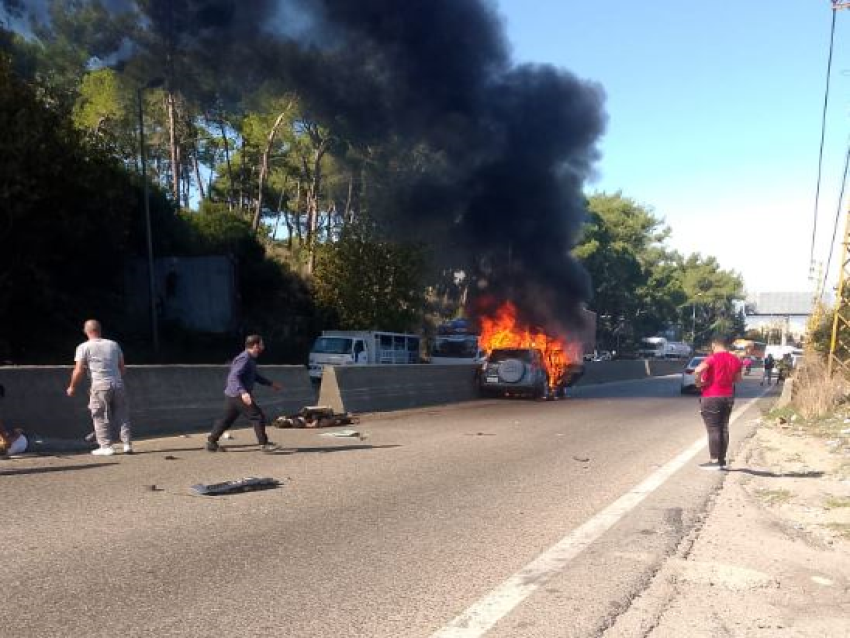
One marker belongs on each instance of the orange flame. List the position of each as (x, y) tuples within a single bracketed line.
[(504, 330)]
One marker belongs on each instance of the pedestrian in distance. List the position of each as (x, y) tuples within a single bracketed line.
[(239, 398), (748, 364), (783, 368), (717, 375), (103, 361), (769, 364)]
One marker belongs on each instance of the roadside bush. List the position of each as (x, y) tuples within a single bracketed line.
[(816, 392)]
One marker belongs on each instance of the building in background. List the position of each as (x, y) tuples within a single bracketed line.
[(782, 313)]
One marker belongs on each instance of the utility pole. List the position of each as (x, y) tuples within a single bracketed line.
[(839, 343)]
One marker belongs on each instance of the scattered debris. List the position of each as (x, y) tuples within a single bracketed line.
[(227, 435), (581, 459), (480, 434), (247, 484), (346, 434), (154, 488), (315, 416), (168, 457)]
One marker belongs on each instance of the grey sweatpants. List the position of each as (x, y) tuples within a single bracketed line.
[(110, 411)]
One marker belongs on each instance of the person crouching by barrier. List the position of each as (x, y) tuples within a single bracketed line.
[(13, 441)]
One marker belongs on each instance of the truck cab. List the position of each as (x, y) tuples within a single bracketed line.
[(343, 347)]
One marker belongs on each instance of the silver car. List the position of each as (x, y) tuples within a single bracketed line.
[(689, 382)]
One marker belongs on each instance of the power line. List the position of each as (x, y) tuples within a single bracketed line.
[(838, 210), (835, 7)]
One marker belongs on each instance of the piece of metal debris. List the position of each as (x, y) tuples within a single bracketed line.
[(247, 484), (345, 434)]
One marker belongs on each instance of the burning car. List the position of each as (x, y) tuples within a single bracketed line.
[(523, 360), (524, 371)]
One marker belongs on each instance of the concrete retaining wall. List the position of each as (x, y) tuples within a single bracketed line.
[(364, 388), (163, 399)]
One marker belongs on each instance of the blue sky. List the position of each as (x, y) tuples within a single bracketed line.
[(714, 115)]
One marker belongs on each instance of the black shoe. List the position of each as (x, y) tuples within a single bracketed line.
[(711, 465), (212, 446)]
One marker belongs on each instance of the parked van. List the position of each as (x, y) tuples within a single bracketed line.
[(345, 347)]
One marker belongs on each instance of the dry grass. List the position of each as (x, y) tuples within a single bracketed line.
[(835, 502), (841, 529), (816, 393), (773, 497)]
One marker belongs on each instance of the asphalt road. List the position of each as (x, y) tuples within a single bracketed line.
[(391, 536)]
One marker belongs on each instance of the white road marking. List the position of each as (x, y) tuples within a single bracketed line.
[(478, 619)]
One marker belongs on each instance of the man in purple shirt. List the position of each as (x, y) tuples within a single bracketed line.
[(238, 397)]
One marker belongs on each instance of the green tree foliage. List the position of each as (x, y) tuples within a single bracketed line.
[(69, 216), (711, 292), (641, 287), (105, 109), (370, 284), (634, 278)]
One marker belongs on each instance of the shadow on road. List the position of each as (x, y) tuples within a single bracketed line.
[(324, 450), (768, 474), (44, 470)]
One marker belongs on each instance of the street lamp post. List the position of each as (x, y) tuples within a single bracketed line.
[(147, 206), (694, 320), (694, 324)]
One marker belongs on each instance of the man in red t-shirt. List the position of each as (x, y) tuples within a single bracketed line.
[(717, 375)]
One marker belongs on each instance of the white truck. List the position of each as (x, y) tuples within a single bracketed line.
[(346, 347), (661, 348), (454, 344)]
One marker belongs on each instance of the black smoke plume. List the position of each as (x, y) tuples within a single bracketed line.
[(515, 143)]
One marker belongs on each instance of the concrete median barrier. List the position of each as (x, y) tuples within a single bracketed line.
[(364, 388), (163, 399), (625, 370)]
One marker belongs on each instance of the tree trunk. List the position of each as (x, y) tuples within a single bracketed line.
[(171, 108), (297, 213), (349, 197), (197, 167), (264, 168), (226, 144)]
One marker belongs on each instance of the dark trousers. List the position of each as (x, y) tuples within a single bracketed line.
[(715, 413), (233, 407)]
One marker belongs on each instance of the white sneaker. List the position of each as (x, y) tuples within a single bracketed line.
[(128, 448), (103, 451)]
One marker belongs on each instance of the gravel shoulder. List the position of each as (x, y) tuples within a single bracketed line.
[(772, 557)]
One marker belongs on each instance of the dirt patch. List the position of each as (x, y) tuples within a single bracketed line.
[(773, 556)]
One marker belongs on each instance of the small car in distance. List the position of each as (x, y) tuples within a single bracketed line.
[(689, 384)]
